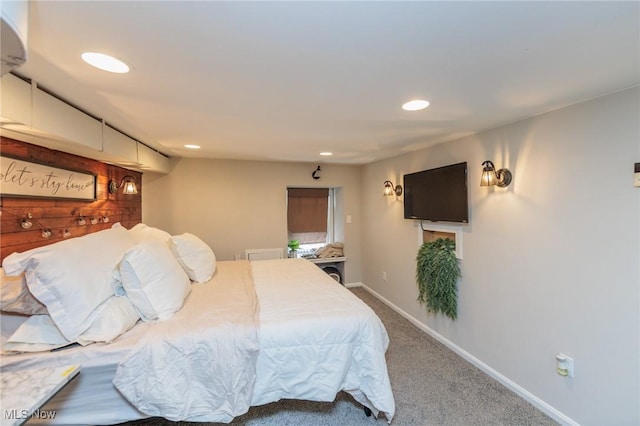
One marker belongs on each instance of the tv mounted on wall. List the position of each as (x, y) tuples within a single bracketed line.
[(438, 194)]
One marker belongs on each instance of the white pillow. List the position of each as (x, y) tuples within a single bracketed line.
[(38, 329), (154, 280), (115, 316), (39, 333), (142, 233), (195, 256), (73, 277), (16, 297), (12, 348)]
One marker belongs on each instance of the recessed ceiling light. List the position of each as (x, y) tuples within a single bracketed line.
[(326, 154), (415, 105), (105, 62), (191, 146)]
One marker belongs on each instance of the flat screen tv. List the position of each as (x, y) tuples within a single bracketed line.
[(437, 194)]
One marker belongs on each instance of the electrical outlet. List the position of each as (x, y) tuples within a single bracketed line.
[(384, 276), (564, 365)]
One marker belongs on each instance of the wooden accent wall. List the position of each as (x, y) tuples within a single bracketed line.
[(58, 214)]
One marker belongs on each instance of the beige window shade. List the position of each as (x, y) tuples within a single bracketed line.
[(307, 210)]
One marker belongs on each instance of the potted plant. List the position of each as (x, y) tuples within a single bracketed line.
[(437, 274), (293, 245)]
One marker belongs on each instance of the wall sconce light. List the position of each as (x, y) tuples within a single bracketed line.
[(389, 189), (128, 184), (491, 177)]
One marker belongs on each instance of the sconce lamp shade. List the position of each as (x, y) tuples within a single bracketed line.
[(491, 177), (128, 184), (130, 188), (389, 189)]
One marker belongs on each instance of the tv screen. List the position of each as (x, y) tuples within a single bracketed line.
[(437, 194)]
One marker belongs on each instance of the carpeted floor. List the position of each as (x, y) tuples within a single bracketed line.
[(431, 385)]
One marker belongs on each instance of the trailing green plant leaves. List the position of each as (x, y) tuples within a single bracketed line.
[(437, 273)]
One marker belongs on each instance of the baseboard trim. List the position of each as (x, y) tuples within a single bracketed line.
[(352, 285), (526, 395)]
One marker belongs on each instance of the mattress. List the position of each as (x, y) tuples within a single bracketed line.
[(315, 338)]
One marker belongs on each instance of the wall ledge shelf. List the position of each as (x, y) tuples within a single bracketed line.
[(326, 259), (430, 231)]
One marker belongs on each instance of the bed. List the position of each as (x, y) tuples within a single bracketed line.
[(253, 333)]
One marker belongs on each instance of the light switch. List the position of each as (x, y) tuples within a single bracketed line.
[(348, 218)]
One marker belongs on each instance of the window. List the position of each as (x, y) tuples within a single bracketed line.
[(310, 215)]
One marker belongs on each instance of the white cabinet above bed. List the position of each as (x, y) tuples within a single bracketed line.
[(54, 116), (119, 145), (34, 115), (15, 105)]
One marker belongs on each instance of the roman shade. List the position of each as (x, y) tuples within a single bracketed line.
[(307, 211)]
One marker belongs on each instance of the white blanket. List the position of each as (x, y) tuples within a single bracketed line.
[(199, 365), (211, 361), (317, 338)]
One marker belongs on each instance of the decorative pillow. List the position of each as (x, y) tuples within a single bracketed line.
[(114, 317), (73, 277), (195, 256), (142, 233), (154, 280), (16, 297)]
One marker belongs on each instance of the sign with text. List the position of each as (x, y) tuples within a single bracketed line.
[(19, 178)]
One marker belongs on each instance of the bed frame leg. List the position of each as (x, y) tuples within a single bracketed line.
[(367, 411)]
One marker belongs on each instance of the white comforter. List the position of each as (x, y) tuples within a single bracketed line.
[(309, 339), (200, 365), (317, 338)]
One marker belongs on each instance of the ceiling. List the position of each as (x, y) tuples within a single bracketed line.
[(287, 80)]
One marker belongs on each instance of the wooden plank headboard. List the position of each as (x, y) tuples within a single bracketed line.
[(59, 215)]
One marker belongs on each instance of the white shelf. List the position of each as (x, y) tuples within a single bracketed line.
[(453, 230), (335, 262), (327, 259)]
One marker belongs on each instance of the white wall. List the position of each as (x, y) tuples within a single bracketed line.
[(550, 263), (238, 205)]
